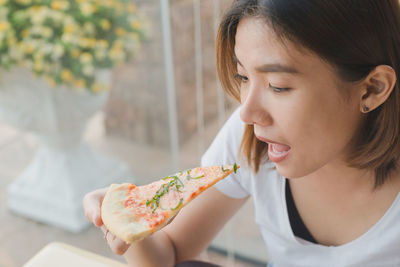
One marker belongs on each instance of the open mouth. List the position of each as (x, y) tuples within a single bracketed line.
[(277, 152)]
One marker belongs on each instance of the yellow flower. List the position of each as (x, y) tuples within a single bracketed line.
[(118, 44), (80, 83), (96, 88), (20, 46), (92, 42), (136, 24), (67, 75), (120, 31), (131, 8), (36, 9), (70, 38), (86, 58), (75, 53), (47, 32), (50, 81), (39, 55), (88, 70), (117, 55), (89, 28), (88, 42), (29, 48), (110, 3), (87, 8), (100, 54), (38, 65), (102, 44), (60, 5), (105, 24), (69, 28), (24, 2), (57, 16), (4, 26), (11, 41), (25, 33), (58, 51)]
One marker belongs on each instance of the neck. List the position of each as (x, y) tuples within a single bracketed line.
[(339, 179)]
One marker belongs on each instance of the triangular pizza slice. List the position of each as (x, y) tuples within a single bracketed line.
[(133, 212)]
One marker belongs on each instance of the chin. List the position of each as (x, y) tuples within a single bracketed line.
[(291, 172)]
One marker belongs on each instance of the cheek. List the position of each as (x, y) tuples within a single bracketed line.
[(243, 95), (323, 132)]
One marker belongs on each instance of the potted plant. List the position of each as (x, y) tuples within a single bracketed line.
[(56, 58)]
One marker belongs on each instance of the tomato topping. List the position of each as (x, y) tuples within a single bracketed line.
[(130, 188), (161, 219), (129, 202)]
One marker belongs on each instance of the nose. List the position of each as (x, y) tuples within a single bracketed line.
[(254, 109)]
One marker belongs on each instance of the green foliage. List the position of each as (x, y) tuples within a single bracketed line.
[(65, 41)]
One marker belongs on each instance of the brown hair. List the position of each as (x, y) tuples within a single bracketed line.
[(354, 37)]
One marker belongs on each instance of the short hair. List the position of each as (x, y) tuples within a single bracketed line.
[(354, 36)]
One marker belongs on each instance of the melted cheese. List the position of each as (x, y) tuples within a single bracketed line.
[(194, 182)]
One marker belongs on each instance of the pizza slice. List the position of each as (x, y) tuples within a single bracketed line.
[(133, 212)]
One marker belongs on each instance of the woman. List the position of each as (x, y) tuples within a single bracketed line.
[(318, 129)]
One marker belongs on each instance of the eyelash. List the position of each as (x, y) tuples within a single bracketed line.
[(278, 89), (240, 77), (244, 79)]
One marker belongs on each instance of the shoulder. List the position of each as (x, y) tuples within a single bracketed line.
[(232, 130), (225, 146)]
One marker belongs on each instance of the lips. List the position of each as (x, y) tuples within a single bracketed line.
[(276, 151)]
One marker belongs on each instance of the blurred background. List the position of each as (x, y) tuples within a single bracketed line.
[(97, 92)]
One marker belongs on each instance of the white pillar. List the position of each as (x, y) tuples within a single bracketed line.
[(199, 75), (170, 82)]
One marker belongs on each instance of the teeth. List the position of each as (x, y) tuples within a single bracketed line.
[(277, 152)]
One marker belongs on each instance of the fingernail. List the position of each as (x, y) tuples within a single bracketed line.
[(95, 220)]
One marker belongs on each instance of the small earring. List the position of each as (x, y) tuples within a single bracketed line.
[(365, 109)]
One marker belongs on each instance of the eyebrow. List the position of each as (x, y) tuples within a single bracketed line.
[(271, 67)]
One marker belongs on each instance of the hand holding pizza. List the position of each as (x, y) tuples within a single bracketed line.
[(132, 213), (92, 205)]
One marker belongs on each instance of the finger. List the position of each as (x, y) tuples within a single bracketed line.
[(97, 219), (92, 204), (117, 245)]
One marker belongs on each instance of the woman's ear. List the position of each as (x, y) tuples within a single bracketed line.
[(377, 87)]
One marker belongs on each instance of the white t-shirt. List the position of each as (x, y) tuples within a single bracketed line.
[(379, 246)]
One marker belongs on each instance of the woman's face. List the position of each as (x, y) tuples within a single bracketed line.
[(295, 100)]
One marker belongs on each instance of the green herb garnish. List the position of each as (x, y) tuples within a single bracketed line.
[(175, 183), (188, 177), (179, 204), (234, 167)]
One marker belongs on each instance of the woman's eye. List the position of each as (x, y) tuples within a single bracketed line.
[(278, 89), (241, 78)]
